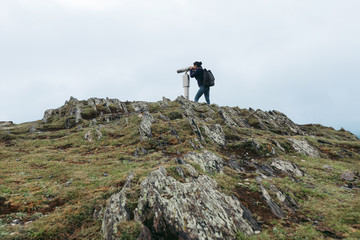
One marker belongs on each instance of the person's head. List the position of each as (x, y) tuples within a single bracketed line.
[(197, 64)]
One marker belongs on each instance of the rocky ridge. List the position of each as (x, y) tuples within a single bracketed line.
[(185, 195)]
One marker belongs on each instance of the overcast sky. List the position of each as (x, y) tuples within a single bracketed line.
[(298, 57)]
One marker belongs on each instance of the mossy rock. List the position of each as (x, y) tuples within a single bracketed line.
[(70, 123), (114, 108), (54, 117), (102, 108), (175, 115), (62, 123), (154, 108), (286, 145), (129, 107), (88, 113), (253, 121), (250, 149)]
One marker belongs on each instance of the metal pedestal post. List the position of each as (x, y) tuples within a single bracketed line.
[(186, 85)]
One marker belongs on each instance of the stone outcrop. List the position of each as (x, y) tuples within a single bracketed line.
[(75, 110), (269, 201), (207, 160), (191, 210), (347, 176), (195, 143), (228, 120), (145, 126), (195, 127), (164, 103), (89, 135), (6, 123), (201, 171), (274, 168), (47, 115), (140, 107), (215, 133), (77, 113), (117, 211), (284, 202), (287, 167), (170, 209), (303, 147), (71, 109), (275, 121), (287, 202), (105, 105)]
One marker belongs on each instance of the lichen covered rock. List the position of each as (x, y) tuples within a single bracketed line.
[(215, 133), (228, 120), (302, 146), (274, 121), (287, 167), (190, 210), (140, 106), (117, 211), (145, 126), (207, 160), (347, 176)]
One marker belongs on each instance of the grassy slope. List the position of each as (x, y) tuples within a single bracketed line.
[(56, 182)]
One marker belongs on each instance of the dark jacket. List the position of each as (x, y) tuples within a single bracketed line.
[(198, 74)]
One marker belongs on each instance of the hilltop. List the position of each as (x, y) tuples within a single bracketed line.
[(106, 169)]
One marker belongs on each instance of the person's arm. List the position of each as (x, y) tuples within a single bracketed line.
[(193, 72)]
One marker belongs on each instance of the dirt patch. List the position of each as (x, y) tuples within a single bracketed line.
[(6, 143), (120, 184), (337, 154), (6, 208), (261, 211), (115, 135), (247, 166), (52, 205), (329, 232), (350, 148), (63, 147), (256, 204)]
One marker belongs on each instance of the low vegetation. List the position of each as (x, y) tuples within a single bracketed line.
[(54, 183)]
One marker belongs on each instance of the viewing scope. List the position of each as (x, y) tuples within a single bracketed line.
[(186, 81), (183, 70)]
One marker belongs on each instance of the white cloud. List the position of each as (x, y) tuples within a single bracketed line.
[(300, 57)]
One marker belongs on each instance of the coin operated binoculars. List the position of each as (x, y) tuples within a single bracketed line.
[(186, 81)]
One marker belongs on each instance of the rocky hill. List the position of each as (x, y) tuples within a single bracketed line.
[(106, 169)]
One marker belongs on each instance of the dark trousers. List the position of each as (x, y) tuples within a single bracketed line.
[(203, 90)]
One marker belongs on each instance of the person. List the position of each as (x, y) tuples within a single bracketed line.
[(197, 72)]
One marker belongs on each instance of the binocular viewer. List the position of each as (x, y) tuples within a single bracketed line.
[(186, 81), (181, 70)]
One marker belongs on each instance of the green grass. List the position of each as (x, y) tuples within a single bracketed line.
[(55, 179)]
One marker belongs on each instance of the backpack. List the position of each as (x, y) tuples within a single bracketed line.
[(209, 79)]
